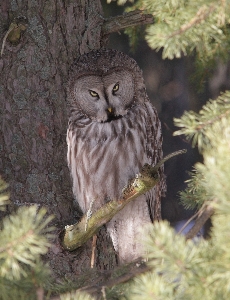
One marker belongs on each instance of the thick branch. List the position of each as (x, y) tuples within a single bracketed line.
[(132, 18), (76, 235)]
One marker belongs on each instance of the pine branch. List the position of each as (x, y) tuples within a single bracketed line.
[(195, 194), (198, 127), (76, 235), (200, 16), (23, 241)]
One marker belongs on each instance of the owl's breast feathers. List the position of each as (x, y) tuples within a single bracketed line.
[(103, 157)]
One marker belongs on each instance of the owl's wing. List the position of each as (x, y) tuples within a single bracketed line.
[(154, 153)]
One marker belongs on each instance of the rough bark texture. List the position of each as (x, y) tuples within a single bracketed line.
[(33, 108), (32, 91)]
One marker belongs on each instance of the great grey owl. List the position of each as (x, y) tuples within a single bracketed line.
[(113, 131)]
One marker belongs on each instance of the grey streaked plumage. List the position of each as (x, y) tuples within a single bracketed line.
[(106, 149)]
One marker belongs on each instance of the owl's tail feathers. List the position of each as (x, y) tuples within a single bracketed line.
[(125, 230)]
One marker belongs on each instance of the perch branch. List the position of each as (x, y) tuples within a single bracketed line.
[(77, 234), (132, 18)]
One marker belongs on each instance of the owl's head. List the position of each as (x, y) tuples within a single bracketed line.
[(105, 84)]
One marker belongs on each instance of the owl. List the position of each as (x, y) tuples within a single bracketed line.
[(113, 131)]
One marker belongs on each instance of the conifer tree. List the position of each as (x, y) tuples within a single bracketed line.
[(181, 268)]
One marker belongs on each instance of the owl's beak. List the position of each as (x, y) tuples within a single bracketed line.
[(110, 109)]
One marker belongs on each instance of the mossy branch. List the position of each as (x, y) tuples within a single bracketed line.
[(130, 19), (76, 235)]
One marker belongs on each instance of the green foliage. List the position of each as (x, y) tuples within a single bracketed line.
[(181, 27), (4, 196), (135, 34), (185, 27), (210, 131), (76, 296), (184, 269), (203, 128), (195, 193), (24, 238)]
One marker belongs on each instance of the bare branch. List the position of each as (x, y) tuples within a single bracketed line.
[(132, 18), (200, 221)]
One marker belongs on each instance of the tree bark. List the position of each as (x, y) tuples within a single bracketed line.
[(32, 93)]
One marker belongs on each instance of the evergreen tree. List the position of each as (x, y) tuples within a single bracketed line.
[(181, 268)]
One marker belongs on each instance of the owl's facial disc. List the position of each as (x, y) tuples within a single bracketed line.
[(105, 98)]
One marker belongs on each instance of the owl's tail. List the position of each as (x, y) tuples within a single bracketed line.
[(126, 230)]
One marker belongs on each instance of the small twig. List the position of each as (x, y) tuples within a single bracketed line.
[(132, 18), (40, 293), (200, 16), (157, 166), (94, 243), (103, 293), (188, 222)]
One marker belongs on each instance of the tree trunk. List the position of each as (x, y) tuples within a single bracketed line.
[(33, 100), (33, 109)]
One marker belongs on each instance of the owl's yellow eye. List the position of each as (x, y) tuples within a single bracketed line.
[(116, 87), (92, 93)]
